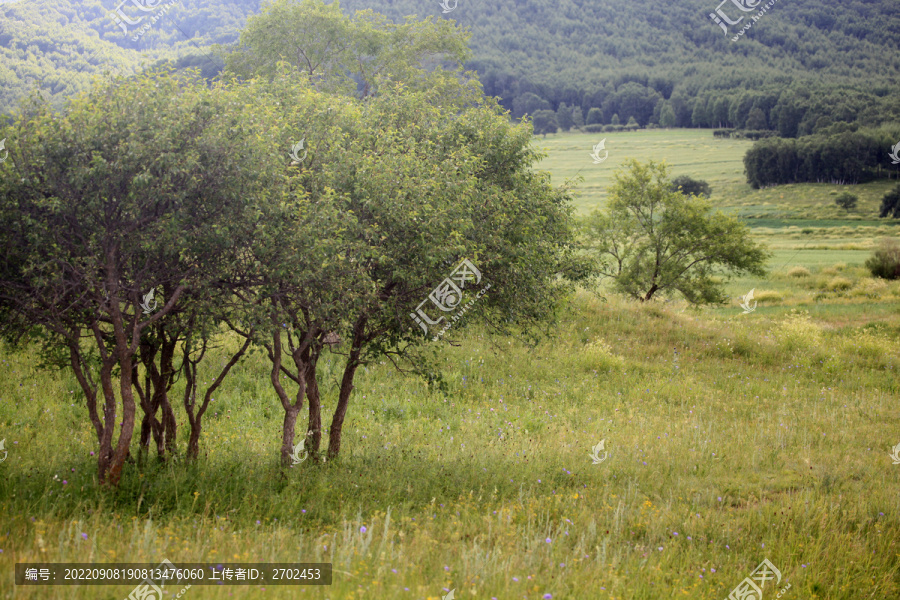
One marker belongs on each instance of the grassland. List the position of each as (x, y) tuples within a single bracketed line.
[(732, 438)]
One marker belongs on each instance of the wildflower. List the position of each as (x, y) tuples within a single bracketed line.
[(548, 596), (84, 536), (548, 540)]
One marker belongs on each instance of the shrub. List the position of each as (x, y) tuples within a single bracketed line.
[(890, 204), (885, 262), (847, 201), (689, 185), (839, 284), (768, 296), (798, 272)]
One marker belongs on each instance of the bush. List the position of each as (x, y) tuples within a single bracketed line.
[(594, 116), (595, 128), (688, 185), (839, 284), (890, 204), (798, 272), (768, 296), (847, 201), (885, 262), (723, 133)]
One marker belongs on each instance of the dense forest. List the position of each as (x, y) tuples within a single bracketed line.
[(802, 69)]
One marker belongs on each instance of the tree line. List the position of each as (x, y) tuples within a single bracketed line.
[(844, 158)]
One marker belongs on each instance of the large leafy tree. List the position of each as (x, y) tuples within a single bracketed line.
[(430, 172), (145, 184), (651, 239)]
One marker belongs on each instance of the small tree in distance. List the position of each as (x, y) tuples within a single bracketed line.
[(690, 186), (651, 239), (846, 200), (885, 262), (544, 122), (890, 204)]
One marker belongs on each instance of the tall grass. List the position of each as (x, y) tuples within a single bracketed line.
[(732, 438)]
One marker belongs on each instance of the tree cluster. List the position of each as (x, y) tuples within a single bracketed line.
[(158, 219), (841, 158)]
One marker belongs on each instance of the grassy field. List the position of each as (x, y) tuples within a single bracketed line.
[(731, 438)]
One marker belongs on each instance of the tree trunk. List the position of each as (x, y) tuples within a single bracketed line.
[(105, 454), (314, 428), (291, 409), (340, 412), (167, 377), (650, 293), (128, 411)]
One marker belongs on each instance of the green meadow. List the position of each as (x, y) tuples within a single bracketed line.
[(729, 438)]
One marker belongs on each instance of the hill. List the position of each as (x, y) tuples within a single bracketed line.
[(802, 66)]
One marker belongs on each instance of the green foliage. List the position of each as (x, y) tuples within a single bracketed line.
[(846, 200), (688, 185), (667, 116), (890, 204), (615, 120), (851, 157), (577, 117), (528, 104), (651, 239), (545, 122), (885, 261), (594, 116), (564, 117)]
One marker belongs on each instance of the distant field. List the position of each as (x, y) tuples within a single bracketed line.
[(719, 162)]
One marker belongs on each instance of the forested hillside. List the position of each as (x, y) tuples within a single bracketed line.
[(804, 66)]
